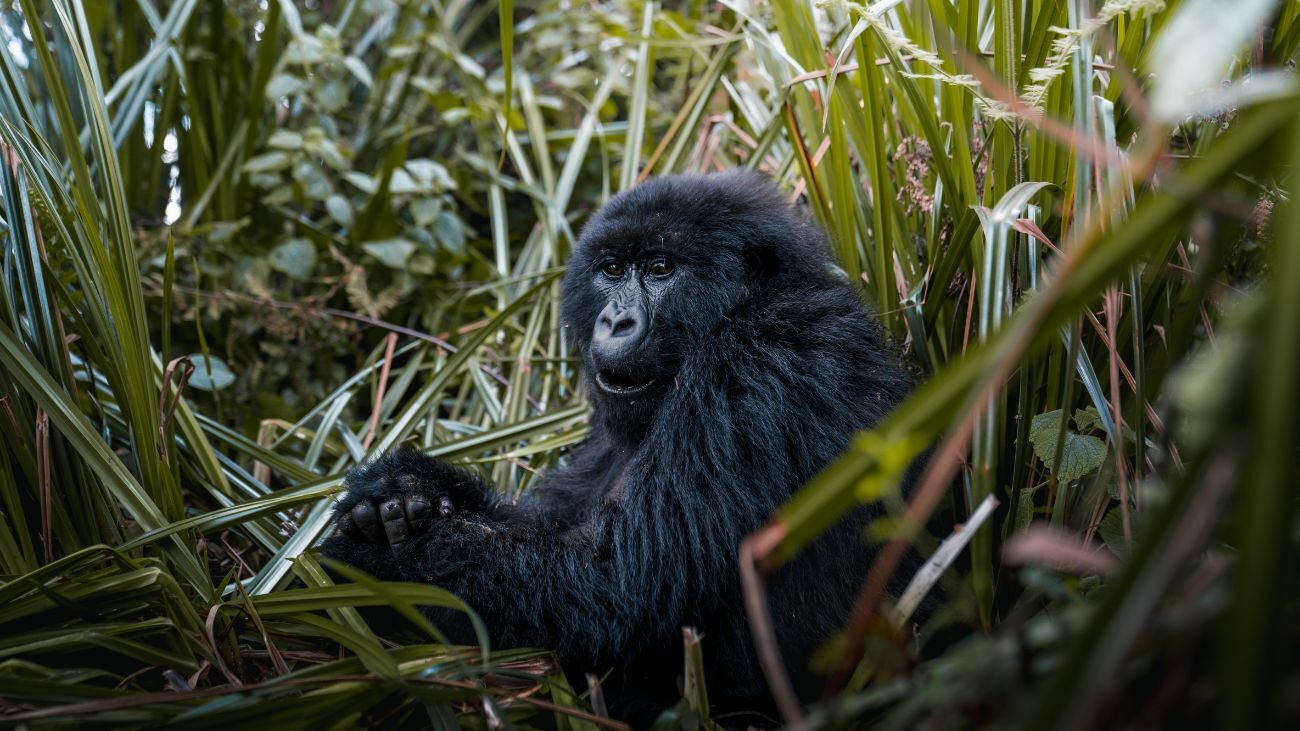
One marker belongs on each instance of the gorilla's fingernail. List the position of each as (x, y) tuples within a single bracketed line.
[(395, 527), (445, 507), (367, 520), (418, 512), (390, 509), (345, 525)]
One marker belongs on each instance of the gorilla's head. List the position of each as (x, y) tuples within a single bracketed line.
[(659, 267)]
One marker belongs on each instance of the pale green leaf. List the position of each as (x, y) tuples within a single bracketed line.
[(394, 253), (295, 257), (210, 373)]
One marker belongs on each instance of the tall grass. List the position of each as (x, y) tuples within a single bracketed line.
[(245, 245)]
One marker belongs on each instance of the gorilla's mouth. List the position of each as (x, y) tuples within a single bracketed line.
[(621, 383)]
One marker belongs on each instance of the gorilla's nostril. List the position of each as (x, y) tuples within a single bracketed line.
[(618, 323), (623, 326)]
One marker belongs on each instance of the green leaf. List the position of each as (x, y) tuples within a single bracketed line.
[(210, 373), (1082, 453), (340, 210), (430, 172), (358, 68), (1025, 508), (363, 182), (267, 163), (450, 232), (283, 85), (284, 139), (425, 210), (392, 252), (506, 26), (404, 184), (1111, 530), (422, 264), (295, 257), (331, 94), (311, 179), (330, 153), (1088, 419)]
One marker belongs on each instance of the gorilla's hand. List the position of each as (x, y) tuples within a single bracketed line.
[(393, 522), (401, 496)]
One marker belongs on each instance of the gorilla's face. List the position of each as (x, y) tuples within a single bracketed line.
[(623, 356), (637, 303), (657, 270)]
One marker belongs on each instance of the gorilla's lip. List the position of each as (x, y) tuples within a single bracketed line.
[(621, 384)]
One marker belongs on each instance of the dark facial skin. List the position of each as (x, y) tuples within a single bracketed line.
[(639, 307), (622, 365)]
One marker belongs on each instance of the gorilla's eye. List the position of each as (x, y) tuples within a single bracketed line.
[(613, 268), (660, 268)]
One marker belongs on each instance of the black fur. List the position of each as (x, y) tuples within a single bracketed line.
[(766, 362)]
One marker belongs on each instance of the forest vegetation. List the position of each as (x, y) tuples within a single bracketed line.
[(247, 244)]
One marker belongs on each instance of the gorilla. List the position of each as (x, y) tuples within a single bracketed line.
[(727, 361)]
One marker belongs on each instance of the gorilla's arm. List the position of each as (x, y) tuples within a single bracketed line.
[(653, 548), (593, 591)]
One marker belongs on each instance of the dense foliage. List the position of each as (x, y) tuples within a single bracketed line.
[(245, 244)]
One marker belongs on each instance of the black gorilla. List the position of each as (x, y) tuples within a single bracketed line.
[(727, 362)]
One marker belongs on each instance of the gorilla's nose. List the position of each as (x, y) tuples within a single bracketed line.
[(618, 329)]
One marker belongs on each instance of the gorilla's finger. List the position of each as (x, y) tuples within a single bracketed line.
[(366, 520), (419, 513), (445, 507), (395, 526), (347, 526)]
